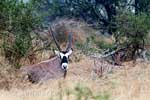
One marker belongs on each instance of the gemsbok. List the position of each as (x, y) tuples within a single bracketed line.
[(54, 67)]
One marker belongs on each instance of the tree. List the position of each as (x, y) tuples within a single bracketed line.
[(92, 11), (132, 31), (142, 6)]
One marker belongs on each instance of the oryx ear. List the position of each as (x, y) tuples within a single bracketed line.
[(70, 51), (56, 52)]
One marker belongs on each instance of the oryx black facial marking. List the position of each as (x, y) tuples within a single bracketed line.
[(64, 57), (64, 60)]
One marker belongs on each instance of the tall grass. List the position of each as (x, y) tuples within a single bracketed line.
[(80, 92)]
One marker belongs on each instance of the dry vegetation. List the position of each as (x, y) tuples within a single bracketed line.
[(131, 81)]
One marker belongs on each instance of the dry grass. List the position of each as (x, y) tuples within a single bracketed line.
[(131, 82)]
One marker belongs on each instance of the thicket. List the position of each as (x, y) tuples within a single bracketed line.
[(17, 20), (132, 32)]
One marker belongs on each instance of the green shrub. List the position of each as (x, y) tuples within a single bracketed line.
[(132, 28), (132, 31), (17, 22)]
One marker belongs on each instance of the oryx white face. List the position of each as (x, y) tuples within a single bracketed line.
[(64, 56)]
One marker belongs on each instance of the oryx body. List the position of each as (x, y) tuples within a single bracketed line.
[(52, 68)]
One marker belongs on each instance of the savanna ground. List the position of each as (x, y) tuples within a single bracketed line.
[(131, 81)]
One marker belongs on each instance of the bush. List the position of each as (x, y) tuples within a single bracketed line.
[(132, 31), (132, 27), (18, 21)]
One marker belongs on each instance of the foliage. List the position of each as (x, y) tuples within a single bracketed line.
[(142, 6), (103, 45), (132, 27), (87, 46), (99, 13), (132, 31), (94, 45), (17, 22), (19, 19), (80, 92)]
